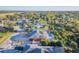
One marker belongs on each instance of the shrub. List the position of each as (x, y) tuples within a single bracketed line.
[(56, 43), (68, 50), (45, 42), (73, 44)]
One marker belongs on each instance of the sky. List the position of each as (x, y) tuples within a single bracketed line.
[(39, 8)]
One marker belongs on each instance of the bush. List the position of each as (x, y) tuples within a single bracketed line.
[(73, 45), (52, 43), (45, 42), (68, 50), (56, 43)]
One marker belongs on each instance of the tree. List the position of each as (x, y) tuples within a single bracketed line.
[(45, 42)]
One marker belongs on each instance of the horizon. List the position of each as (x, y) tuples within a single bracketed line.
[(39, 8)]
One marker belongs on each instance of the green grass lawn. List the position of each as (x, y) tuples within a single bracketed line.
[(4, 36)]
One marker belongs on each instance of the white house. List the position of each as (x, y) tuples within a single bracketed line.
[(20, 39)]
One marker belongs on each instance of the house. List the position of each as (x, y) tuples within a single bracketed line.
[(20, 22), (18, 29), (9, 29), (41, 34), (21, 26), (32, 38), (2, 29)]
